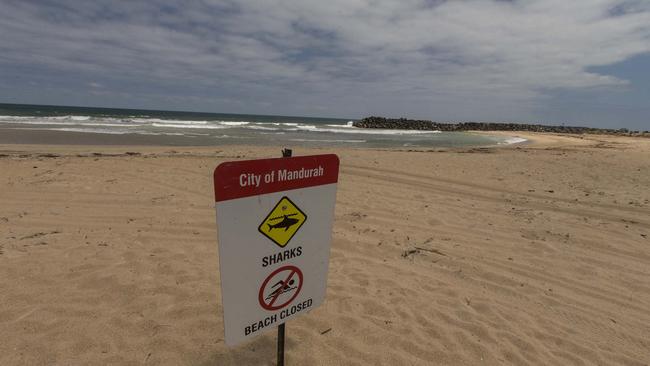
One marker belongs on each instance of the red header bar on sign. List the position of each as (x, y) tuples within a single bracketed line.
[(238, 179)]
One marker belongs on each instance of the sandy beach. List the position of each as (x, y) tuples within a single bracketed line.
[(533, 254)]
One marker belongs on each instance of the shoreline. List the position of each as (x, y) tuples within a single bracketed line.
[(17, 136), (533, 140)]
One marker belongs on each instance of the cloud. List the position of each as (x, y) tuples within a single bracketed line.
[(413, 57)]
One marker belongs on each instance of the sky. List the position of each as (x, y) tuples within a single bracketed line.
[(579, 62)]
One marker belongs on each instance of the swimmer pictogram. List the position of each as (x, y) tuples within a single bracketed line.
[(280, 288)]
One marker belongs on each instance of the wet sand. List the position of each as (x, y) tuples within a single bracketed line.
[(534, 254)]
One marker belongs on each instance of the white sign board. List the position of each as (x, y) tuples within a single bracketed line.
[(274, 222)]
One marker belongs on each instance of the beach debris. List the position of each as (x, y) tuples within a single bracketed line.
[(162, 198), (436, 251), (409, 252), (326, 331), (481, 150), (356, 216), (131, 153), (38, 235), (106, 155), (41, 243), (417, 250)]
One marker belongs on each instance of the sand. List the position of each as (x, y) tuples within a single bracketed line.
[(537, 254)]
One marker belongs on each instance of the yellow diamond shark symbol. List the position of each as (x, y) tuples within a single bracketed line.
[(283, 222)]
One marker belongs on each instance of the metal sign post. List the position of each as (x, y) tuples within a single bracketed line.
[(286, 153), (281, 344)]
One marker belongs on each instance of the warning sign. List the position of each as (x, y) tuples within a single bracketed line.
[(283, 222), (274, 224), (280, 288)]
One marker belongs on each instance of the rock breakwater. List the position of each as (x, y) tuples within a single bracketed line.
[(410, 124)]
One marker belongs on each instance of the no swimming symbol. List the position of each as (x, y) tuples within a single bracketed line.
[(280, 288)]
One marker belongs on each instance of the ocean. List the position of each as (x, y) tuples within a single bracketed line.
[(84, 125)]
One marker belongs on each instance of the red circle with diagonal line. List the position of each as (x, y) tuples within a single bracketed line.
[(284, 277)]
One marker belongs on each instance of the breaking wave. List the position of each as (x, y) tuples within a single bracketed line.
[(89, 124), (513, 140)]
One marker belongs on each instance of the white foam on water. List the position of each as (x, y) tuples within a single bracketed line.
[(231, 137), (513, 140), (262, 128), (104, 124), (153, 121), (113, 131), (304, 128), (364, 131), (158, 133), (15, 117), (188, 126), (69, 123), (90, 130), (73, 118), (233, 123), (347, 125), (316, 140)]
